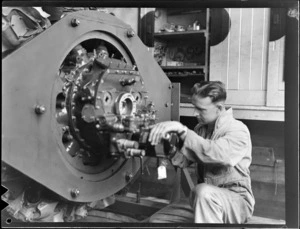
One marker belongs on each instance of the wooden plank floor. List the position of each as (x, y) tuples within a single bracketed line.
[(126, 210), (263, 220)]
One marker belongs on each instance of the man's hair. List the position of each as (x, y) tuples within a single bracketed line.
[(213, 89)]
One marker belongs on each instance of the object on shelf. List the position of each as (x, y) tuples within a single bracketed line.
[(169, 27), (179, 55), (196, 25), (190, 28), (184, 73), (174, 63), (160, 53), (179, 28), (191, 54)]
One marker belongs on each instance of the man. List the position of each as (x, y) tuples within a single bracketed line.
[(221, 147)]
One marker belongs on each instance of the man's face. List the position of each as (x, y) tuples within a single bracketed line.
[(205, 110)]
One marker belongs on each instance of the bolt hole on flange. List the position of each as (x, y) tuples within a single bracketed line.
[(8, 221)]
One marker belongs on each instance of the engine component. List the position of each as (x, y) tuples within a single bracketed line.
[(78, 103), (20, 24)]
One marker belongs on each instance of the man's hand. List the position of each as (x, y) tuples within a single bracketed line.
[(160, 131)]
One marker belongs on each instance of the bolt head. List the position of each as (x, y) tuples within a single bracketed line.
[(75, 192), (75, 22), (130, 33), (128, 177), (40, 109)]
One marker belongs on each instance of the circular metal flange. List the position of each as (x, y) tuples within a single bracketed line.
[(108, 167), (125, 104)]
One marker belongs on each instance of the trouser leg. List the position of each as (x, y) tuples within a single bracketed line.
[(212, 204)]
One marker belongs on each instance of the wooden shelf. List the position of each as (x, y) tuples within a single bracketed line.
[(197, 67), (180, 35), (185, 11), (185, 75), (191, 46)]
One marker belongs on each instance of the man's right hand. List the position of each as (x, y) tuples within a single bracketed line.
[(160, 131)]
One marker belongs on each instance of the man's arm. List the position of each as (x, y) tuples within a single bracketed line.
[(227, 150)]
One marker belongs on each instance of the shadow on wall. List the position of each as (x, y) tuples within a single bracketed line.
[(147, 29), (277, 23), (219, 25)]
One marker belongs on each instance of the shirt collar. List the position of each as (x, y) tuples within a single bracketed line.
[(223, 118)]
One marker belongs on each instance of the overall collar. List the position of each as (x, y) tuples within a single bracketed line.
[(223, 118)]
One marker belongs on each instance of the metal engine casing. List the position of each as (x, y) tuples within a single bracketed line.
[(35, 94)]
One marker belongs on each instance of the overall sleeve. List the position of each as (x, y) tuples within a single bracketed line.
[(227, 150)]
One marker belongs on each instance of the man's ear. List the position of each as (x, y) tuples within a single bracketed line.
[(220, 106)]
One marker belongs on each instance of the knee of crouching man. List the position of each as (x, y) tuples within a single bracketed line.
[(202, 191)]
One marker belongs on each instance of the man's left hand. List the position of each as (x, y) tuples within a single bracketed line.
[(160, 130)]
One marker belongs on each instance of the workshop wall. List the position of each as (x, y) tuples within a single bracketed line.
[(250, 60)]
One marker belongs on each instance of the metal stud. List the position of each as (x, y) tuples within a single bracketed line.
[(130, 33), (75, 22), (75, 192), (40, 109), (128, 176)]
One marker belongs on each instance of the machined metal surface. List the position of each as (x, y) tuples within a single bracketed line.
[(60, 125)]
